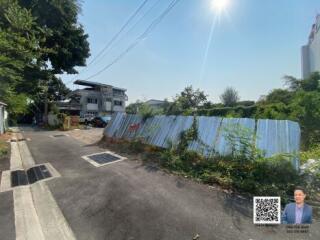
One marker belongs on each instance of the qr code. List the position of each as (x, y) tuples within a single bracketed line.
[(266, 210)]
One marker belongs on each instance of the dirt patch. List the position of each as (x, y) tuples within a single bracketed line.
[(87, 136)]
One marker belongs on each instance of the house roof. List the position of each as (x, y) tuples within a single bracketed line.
[(2, 103), (95, 84)]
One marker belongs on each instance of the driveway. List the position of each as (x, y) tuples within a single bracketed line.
[(129, 200)]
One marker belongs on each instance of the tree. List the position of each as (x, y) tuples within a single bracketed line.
[(133, 108), (38, 39), (312, 83), (188, 100), (65, 42), (279, 96), (306, 110), (229, 97), (64, 37), (19, 49)]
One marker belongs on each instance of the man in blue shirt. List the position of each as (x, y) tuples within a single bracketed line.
[(298, 212)]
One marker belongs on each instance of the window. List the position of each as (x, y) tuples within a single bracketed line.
[(118, 92), (92, 100), (117, 103), (92, 113)]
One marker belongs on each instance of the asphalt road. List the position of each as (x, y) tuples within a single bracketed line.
[(128, 200)]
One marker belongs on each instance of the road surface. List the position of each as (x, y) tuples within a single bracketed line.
[(131, 201)]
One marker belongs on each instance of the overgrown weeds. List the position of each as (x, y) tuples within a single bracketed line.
[(245, 170), (3, 148)]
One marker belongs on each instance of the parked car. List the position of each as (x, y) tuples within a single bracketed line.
[(86, 118), (100, 121)]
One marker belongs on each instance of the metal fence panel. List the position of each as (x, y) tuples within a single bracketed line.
[(278, 136), (208, 131), (271, 136)]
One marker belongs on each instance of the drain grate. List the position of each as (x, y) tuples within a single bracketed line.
[(59, 135), (104, 158), (38, 173), (19, 178), (30, 176), (18, 140)]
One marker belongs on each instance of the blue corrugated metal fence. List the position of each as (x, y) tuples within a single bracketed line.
[(271, 136)]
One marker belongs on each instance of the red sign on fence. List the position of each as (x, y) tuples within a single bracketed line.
[(134, 127)]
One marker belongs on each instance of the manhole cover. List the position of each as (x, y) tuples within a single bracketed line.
[(104, 158), (32, 175)]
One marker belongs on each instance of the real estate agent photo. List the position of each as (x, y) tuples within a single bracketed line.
[(298, 212)]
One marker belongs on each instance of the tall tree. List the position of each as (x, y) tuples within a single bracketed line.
[(64, 36), (19, 50), (229, 97)]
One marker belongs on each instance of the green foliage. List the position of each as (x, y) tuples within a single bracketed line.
[(4, 149), (54, 109), (187, 136), (312, 179), (188, 99), (229, 97), (133, 108), (242, 142), (274, 176), (37, 40), (306, 109), (238, 111), (279, 111), (18, 43), (279, 96), (146, 111), (136, 145), (312, 153), (63, 35), (311, 83)]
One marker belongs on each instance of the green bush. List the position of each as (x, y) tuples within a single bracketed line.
[(266, 176), (146, 111), (238, 111), (136, 145)]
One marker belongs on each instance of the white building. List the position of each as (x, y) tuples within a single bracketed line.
[(96, 99), (310, 53)]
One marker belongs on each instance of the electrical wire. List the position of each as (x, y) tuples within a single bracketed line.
[(133, 15), (119, 32), (143, 36), (133, 26)]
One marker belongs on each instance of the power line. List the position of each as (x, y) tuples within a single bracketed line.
[(140, 38), (115, 36), (139, 20), (120, 31)]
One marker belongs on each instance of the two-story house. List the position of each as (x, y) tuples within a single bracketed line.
[(95, 99)]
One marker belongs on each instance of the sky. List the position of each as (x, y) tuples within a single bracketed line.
[(253, 45)]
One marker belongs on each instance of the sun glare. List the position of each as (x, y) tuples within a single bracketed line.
[(219, 5)]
